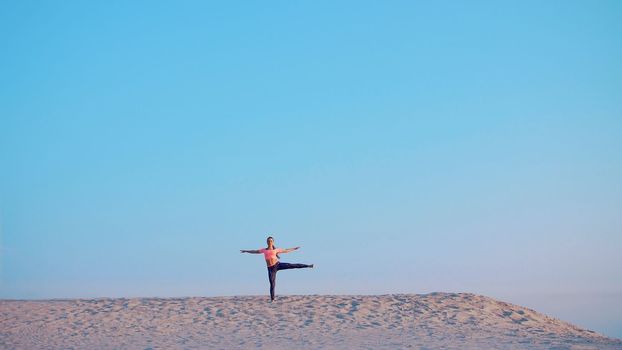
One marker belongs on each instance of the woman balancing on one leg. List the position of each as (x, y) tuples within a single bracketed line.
[(272, 260)]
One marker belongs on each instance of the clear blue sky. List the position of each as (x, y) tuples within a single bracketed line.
[(406, 146)]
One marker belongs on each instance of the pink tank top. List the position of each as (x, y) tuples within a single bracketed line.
[(270, 254)]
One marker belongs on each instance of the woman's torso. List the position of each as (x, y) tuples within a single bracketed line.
[(270, 255)]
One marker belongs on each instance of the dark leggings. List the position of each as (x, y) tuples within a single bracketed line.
[(277, 267)]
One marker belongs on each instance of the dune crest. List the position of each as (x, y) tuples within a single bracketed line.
[(436, 320)]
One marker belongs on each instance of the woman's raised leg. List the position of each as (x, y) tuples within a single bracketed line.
[(286, 266)]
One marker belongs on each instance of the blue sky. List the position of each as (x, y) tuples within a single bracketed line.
[(406, 146)]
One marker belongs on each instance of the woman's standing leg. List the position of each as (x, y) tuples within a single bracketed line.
[(272, 278)]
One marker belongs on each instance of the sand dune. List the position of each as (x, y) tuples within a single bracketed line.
[(431, 321)]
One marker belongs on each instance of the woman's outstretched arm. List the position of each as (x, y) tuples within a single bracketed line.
[(290, 250), (250, 251)]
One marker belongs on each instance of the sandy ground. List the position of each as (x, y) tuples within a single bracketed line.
[(430, 321)]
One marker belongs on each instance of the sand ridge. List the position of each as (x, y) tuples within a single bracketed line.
[(429, 321)]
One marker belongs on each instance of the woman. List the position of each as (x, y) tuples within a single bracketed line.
[(271, 254)]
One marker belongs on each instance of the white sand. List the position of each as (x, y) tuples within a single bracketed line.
[(431, 321)]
